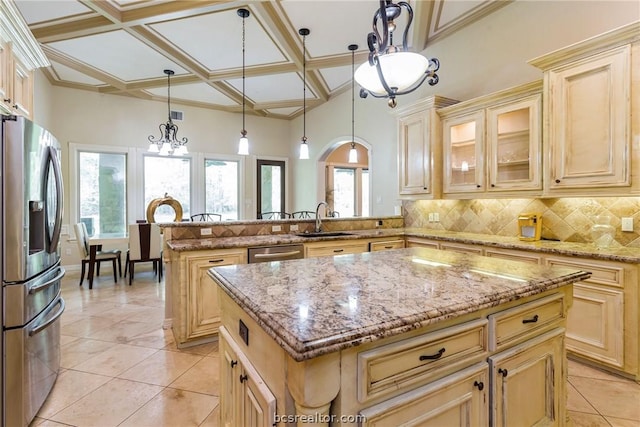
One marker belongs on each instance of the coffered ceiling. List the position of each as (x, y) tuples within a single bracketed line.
[(121, 47)]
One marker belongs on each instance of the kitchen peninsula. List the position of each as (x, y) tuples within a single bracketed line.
[(385, 338)]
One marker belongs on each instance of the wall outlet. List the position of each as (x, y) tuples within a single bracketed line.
[(436, 217), (205, 232), (67, 251), (276, 228), (379, 223), (627, 224), (293, 227), (64, 230), (430, 216)]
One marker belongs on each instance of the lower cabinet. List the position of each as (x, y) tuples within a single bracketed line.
[(245, 400), (459, 399), (196, 309), (386, 245), (335, 247), (527, 384)]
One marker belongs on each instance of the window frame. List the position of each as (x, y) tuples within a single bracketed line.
[(135, 207)]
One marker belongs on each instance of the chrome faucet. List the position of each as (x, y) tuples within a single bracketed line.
[(318, 220)]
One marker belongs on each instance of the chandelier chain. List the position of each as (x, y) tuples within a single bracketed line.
[(243, 74)]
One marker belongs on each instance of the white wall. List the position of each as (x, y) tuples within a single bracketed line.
[(485, 57)]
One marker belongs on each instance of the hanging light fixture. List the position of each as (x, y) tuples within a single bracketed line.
[(243, 145), (304, 147), (168, 143), (393, 70), (353, 152)]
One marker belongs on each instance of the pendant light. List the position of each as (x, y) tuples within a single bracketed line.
[(393, 70), (353, 152), (304, 147), (168, 142), (243, 145)]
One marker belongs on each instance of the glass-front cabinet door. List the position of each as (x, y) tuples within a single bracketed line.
[(464, 153), (513, 139)]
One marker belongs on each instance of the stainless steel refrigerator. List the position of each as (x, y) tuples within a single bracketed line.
[(31, 208)]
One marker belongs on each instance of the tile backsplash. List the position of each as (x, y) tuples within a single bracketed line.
[(565, 219)]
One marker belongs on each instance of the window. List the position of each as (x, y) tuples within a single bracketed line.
[(348, 190), (170, 176), (222, 187), (102, 192), (271, 188)]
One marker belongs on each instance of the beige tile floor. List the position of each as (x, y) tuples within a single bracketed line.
[(120, 368)]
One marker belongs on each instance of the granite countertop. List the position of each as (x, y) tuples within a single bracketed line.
[(316, 306), (586, 250)]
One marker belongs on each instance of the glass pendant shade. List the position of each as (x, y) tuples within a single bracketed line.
[(304, 151), (353, 154), (153, 148), (400, 69), (181, 151), (243, 146)]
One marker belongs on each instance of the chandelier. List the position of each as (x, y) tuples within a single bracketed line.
[(393, 70), (168, 142)]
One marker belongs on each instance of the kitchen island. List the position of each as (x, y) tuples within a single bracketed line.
[(393, 337)]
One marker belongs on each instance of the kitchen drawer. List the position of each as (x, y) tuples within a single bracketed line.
[(386, 245), (417, 360), (460, 247), (516, 324), (416, 242), (335, 248), (529, 257), (609, 274)]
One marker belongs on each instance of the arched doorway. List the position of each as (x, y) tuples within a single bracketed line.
[(346, 185)]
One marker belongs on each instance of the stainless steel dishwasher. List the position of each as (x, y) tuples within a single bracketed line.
[(275, 253)]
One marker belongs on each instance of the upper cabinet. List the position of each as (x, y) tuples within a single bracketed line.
[(419, 148), (20, 54), (589, 89), (492, 144)]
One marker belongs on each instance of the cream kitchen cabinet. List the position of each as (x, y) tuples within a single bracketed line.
[(196, 309), (20, 54), (527, 386), (385, 245), (513, 255), (419, 148), (589, 88), (335, 247), (245, 399), (461, 247), (492, 144), (603, 323), (413, 242)]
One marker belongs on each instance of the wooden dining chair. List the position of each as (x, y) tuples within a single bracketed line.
[(206, 217), (274, 215), (145, 245), (93, 255)]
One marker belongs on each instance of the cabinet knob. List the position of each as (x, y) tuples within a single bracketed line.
[(436, 356), (243, 378), (14, 106), (504, 372), (557, 181), (478, 384), (478, 185), (424, 188), (7, 100), (493, 185), (234, 363), (534, 319)]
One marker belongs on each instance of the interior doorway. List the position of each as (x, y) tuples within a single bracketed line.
[(347, 185)]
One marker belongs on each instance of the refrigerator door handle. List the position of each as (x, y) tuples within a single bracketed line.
[(48, 283), (55, 236), (55, 317)]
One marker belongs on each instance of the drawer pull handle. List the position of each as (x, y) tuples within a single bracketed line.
[(478, 384), (243, 378), (213, 261), (436, 356), (534, 319), (388, 247), (338, 250), (504, 372), (234, 363)]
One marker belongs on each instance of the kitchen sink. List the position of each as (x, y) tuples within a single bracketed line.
[(324, 234)]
